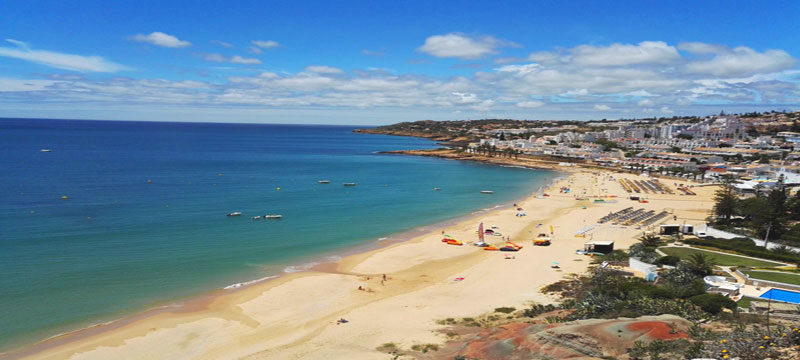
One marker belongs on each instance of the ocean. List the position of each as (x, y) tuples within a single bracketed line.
[(122, 216)]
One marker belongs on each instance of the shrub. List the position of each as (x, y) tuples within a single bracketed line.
[(668, 260), (616, 256), (424, 348), (505, 310), (537, 309), (713, 303)]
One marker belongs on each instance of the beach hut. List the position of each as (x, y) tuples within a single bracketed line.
[(598, 246)]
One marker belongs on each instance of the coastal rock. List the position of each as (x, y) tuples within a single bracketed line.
[(583, 339)]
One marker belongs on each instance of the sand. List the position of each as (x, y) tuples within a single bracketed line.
[(295, 316)]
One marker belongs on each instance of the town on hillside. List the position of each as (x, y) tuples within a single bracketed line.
[(755, 148)]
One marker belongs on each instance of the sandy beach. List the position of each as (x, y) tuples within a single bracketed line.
[(295, 316)]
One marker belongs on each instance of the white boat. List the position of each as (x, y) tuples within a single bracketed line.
[(487, 192), (256, 217), (273, 216), (349, 184), (235, 213), (324, 181), (436, 189), (46, 150)]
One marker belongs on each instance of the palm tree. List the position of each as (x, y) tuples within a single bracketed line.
[(650, 240), (700, 264)]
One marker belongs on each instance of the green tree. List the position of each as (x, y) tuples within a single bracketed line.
[(725, 200), (650, 240), (700, 264), (770, 223)]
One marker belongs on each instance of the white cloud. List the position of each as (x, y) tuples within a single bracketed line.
[(17, 85), (520, 69), (646, 52), (461, 46), (265, 44), (743, 61), (579, 92), (254, 50), (508, 90), (60, 60), (640, 93), (236, 59), (214, 57), (701, 48), (161, 39), (322, 69), (530, 104), (222, 43), (544, 57)]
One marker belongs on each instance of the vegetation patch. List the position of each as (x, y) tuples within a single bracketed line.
[(720, 259), (744, 246), (505, 310), (782, 277), (424, 348)]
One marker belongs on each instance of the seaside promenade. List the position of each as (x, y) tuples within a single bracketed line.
[(298, 315)]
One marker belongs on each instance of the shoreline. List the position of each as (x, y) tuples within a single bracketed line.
[(325, 262), (351, 269)]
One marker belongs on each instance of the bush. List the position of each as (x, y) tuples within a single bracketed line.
[(643, 253), (668, 260), (537, 309), (615, 256), (424, 348), (713, 303), (505, 310)]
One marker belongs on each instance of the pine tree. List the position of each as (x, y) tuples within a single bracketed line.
[(725, 200)]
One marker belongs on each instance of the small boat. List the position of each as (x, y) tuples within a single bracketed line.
[(323, 181), (46, 150), (491, 248), (436, 189), (349, 184), (487, 192), (235, 213), (256, 217), (273, 216)]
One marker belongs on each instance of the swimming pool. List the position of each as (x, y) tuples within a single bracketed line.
[(782, 295)]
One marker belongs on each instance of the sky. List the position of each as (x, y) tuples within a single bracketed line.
[(381, 62)]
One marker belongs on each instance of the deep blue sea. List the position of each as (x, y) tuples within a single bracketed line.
[(144, 221)]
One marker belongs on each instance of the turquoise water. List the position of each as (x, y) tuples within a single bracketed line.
[(782, 295), (145, 218)]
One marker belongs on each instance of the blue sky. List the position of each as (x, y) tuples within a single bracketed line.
[(375, 62)]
